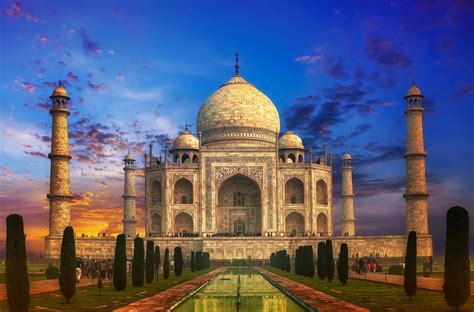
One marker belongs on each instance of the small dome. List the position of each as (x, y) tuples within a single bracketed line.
[(346, 156), (59, 91), (413, 91), (186, 140), (290, 141)]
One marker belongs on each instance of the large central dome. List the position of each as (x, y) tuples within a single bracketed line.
[(238, 111)]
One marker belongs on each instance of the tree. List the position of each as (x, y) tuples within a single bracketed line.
[(322, 267), (99, 284), (16, 271), (178, 261), (150, 261), (310, 261), (120, 263), (138, 262), (343, 264), (157, 260), (457, 286), (329, 260), (192, 262), (67, 270), (206, 260), (199, 266), (166, 264), (409, 282), (288, 263)]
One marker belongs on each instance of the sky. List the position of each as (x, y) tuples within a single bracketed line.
[(138, 71)]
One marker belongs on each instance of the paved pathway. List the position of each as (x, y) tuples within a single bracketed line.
[(316, 299), (46, 286), (422, 282), (167, 298)]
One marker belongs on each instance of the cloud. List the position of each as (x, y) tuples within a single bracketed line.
[(120, 77), (71, 77), (37, 154), (99, 87), (16, 10), (466, 89), (42, 38), (360, 129), (335, 69), (350, 93), (309, 59), (386, 53), (25, 85), (89, 47)]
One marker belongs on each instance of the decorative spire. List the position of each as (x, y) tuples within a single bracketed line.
[(186, 125), (60, 83), (237, 67), (413, 82)]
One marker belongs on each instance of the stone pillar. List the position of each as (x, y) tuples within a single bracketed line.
[(416, 196), (129, 198), (60, 191), (348, 219)]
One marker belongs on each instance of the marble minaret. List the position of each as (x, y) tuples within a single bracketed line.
[(60, 191), (415, 195), (129, 198), (348, 219)]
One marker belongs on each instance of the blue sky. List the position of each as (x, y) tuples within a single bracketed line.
[(137, 71)]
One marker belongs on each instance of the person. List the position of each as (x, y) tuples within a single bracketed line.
[(374, 266), (109, 269), (103, 270), (78, 272), (361, 265)]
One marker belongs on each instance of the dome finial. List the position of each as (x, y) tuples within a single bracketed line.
[(237, 67), (60, 83), (413, 82), (186, 125)]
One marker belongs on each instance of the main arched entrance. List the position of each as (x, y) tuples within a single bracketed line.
[(183, 223), (294, 224), (239, 206)]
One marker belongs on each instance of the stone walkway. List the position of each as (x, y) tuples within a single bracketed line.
[(422, 282), (167, 298), (46, 286), (316, 299)]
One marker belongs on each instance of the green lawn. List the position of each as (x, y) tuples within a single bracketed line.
[(36, 272), (376, 296), (89, 299)]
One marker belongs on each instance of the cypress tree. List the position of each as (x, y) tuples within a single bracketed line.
[(297, 256), (192, 262), (457, 287), (206, 260), (157, 260), (322, 261), (409, 282), (16, 271), (150, 261), (310, 256), (67, 273), (178, 261), (166, 264), (343, 264), (304, 261), (299, 260), (138, 262), (120, 263), (199, 261), (329, 260)]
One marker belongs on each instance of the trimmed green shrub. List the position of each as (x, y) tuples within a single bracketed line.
[(166, 264), (322, 260), (395, 269), (52, 272), (379, 268), (138, 262), (288, 263), (199, 266), (16, 271), (310, 261), (157, 260), (409, 281), (150, 261), (206, 260), (457, 285), (192, 262), (343, 264), (67, 273), (120, 263), (178, 261), (329, 260)]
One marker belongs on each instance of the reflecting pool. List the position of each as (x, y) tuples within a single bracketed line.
[(255, 294)]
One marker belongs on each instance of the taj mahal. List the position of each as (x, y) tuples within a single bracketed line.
[(238, 188)]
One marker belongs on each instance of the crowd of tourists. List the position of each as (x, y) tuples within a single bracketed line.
[(94, 269), (362, 266)]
